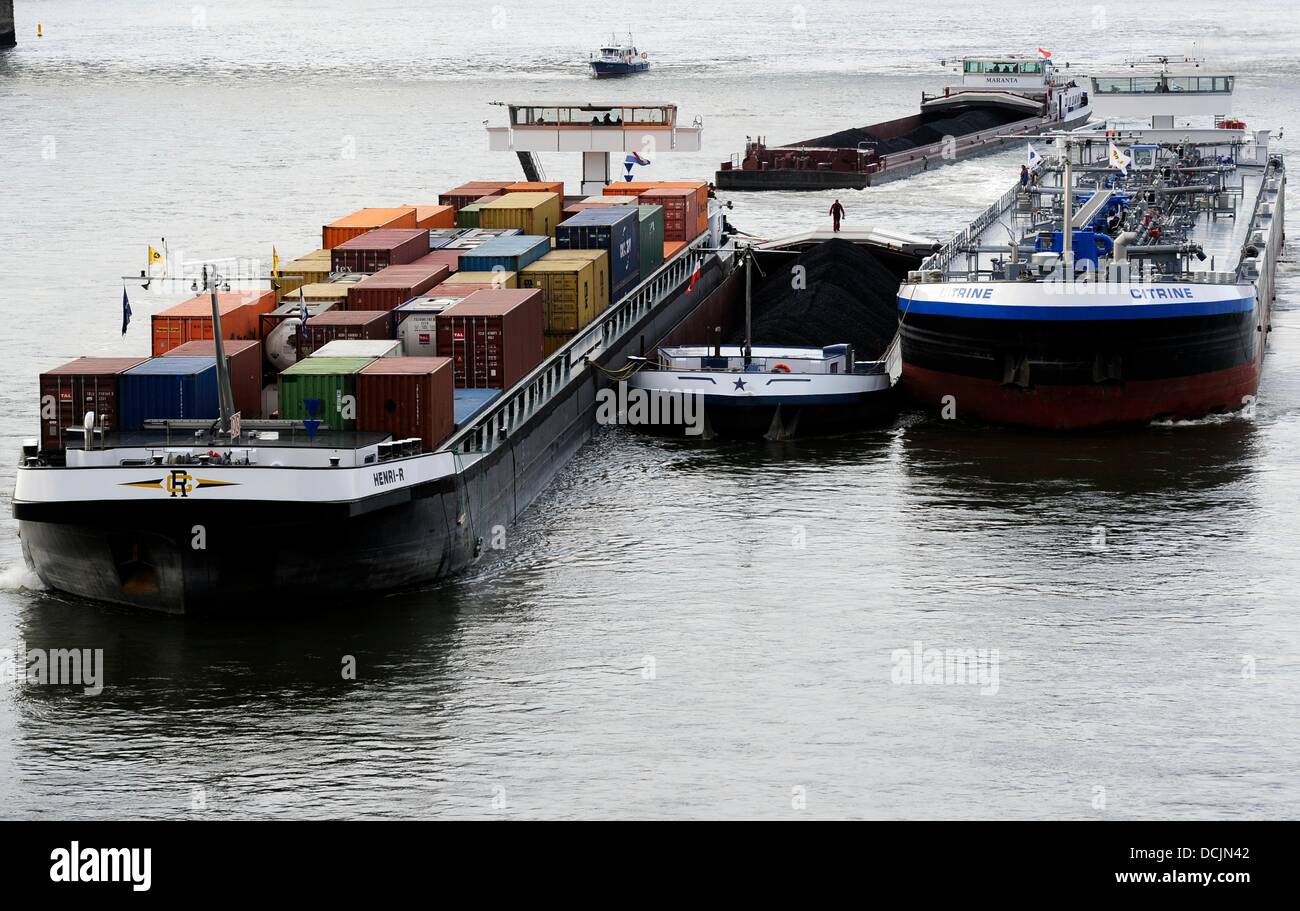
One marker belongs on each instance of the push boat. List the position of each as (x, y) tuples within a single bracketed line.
[(778, 391), (618, 59), (997, 101), (245, 515), (1153, 305)]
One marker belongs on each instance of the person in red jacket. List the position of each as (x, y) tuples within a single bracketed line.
[(837, 212)]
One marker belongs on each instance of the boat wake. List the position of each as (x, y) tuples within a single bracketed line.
[(1211, 420), (19, 578)]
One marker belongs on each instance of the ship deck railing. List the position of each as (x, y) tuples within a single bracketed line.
[(495, 424), (967, 235)]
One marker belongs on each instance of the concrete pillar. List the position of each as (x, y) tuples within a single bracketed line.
[(7, 38)]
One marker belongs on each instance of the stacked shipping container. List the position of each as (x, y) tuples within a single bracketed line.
[(380, 249), (512, 253), (407, 397), (69, 391), (192, 320), (533, 213), (434, 287), (615, 230), (494, 338), (391, 287), (168, 388), (364, 221), (336, 324), (243, 362), (322, 389)]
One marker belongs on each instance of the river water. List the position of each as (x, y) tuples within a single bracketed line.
[(673, 630)]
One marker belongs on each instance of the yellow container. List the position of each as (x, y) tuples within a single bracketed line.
[(314, 268), (502, 279), (600, 260), (554, 341), (568, 289), (324, 291), (535, 213)]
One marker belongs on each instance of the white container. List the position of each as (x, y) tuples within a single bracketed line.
[(359, 347), (418, 335)]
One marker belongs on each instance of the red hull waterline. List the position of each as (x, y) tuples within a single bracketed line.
[(1085, 407)]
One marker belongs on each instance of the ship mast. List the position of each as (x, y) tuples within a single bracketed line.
[(225, 395), (749, 335), (1067, 230)]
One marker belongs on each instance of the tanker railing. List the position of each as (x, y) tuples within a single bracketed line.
[(963, 238)]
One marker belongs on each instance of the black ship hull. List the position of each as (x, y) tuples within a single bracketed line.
[(271, 556)]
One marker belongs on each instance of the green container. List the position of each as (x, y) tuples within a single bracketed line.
[(330, 380), (651, 239), (467, 216)]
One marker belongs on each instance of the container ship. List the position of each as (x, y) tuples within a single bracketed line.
[(1130, 281), (376, 418), (997, 100)]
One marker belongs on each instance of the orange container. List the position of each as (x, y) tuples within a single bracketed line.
[(634, 188), (435, 217), (192, 320), (672, 248), (363, 220), (538, 186)]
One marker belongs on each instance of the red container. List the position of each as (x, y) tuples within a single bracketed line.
[(493, 337), (468, 193), (240, 318), (244, 358), (380, 249), (407, 397), (448, 258), (457, 289), (394, 286), (336, 324), (86, 384), (682, 217)]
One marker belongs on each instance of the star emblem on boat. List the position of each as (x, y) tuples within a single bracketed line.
[(740, 384)]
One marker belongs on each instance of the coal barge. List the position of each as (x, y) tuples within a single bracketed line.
[(170, 497), (998, 101), (769, 357), (1132, 282)]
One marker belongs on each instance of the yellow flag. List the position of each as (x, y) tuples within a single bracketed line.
[(275, 263), (154, 256)]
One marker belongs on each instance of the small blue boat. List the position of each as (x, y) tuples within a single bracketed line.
[(616, 59)]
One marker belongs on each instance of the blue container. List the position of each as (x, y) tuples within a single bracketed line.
[(441, 237), (513, 254), (614, 229), (168, 387)]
